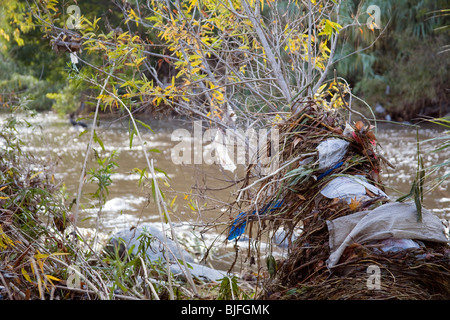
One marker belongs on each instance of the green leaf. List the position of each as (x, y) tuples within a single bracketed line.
[(418, 203), (410, 194), (153, 190), (443, 164), (131, 138), (162, 171), (144, 125), (142, 175), (421, 178), (96, 139), (187, 264), (82, 133), (271, 265)]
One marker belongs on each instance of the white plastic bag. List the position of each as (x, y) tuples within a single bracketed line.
[(220, 147), (350, 187), (391, 220), (395, 245), (331, 152)]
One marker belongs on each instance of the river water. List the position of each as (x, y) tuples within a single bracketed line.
[(128, 204)]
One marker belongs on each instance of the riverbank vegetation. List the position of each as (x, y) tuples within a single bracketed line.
[(235, 64), (44, 256), (400, 64)]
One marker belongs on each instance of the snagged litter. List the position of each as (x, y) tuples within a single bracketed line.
[(350, 187), (391, 220), (238, 226), (395, 245), (329, 170), (331, 152)]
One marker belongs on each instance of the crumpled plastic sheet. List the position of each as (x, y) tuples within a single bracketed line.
[(331, 152), (395, 245), (350, 187), (391, 220)]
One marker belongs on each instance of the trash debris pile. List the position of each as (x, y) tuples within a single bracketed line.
[(328, 186)]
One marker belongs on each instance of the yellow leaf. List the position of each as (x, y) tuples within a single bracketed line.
[(196, 63), (41, 256), (354, 204), (4, 197), (32, 267), (41, 265), (173, 201), (4, 239), (2, 188), (321, 88), (102, 46), (35, 175), (25, 275), (60, 254), (40, 287), (138, 62), (52, 277), (132, 13)]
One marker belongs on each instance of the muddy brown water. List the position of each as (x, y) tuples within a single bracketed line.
[(128, 204)]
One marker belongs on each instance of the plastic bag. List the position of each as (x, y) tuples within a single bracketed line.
[(391, 220), (350, 187), (395, 245), (331, 152)]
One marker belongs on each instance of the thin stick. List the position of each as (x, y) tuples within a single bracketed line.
[(20, 293), (88, 283), (146, 280), (267, 49), (159, 201), (345, 103), (267, 177), (231, 287), (92, 292), (6, 286), (38, 278), (91, 139)]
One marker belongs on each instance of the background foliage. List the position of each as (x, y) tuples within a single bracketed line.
[(404, 70)]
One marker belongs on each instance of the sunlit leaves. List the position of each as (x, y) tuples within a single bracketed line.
[(210, 46), (329, 27), (132, 16), (17, 20), (39, 273), (5, 241), (328, 95)]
